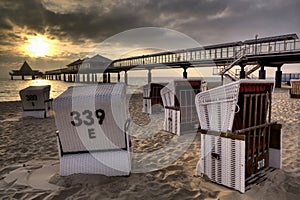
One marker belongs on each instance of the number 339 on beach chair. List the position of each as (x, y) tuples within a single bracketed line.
[(93, 130)]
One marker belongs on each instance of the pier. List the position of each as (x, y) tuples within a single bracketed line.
[(249, 56)]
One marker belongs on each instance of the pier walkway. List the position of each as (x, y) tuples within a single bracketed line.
[(249, 56)]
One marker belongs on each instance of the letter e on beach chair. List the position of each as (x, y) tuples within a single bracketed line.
[(239, 143), (93, 133), (36, 102)]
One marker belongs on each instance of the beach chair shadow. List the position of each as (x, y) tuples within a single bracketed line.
[(93, 136), (238, 140), (36, 101), (179, 103)]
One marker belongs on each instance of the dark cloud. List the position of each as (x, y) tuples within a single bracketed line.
[(190, 16), (207, 21)]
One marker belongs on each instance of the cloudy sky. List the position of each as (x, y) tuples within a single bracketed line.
[(67, 30)]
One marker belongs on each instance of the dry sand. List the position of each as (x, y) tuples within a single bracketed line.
[(29, 164)]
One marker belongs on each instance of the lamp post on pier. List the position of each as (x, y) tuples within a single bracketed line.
[(256, 36)]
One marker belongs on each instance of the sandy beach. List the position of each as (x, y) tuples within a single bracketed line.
[(29, 162)]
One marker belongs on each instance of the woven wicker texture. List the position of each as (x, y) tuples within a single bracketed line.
[(179, 96), (109, 135), (34, 97), (228, 168)]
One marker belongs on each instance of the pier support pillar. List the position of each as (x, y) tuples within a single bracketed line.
[(119, 77), (11, 77), (184, 74), (262, 72), (278, 77), (126, 78), (108, 77), (33, 77), (222, 79), (83, 78), (95, 78), (65, 78), (74, 78), (104, 78), (22, 77), (88, 78), (242, 72), (149, 76)]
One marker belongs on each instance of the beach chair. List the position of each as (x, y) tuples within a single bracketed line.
[(295, 90), (179, 104), (151, 97), (239, 143), (92, 132), (36, 102)]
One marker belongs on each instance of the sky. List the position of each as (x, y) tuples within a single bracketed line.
[(49, 34)]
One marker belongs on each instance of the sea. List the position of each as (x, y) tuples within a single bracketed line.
[(9, 89)]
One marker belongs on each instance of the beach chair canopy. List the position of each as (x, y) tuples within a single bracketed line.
[(179, 103), (151, 96), (33, 97), (295, 88), (36, 102), (238, 140), (234, 106), (92, 118), (153, 90), (180, 92), (93, 133)]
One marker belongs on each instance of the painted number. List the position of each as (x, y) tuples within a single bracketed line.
[(261, 164), (86, 117), (31, 97)]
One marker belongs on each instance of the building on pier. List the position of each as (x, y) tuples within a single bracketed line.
[(25, 70)]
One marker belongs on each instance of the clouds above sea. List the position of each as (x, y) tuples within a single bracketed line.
[(85, 23)]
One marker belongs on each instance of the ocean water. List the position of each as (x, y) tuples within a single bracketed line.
[(9, 89)]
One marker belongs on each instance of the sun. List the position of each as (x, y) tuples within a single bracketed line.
[(38, 46)]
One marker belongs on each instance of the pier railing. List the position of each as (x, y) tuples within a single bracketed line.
[(198, 55)]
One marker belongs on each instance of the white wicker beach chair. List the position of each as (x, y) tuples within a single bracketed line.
[(230, 117), (295, 90), (151, 96), (178, 100), (36, 101), (93, 133)]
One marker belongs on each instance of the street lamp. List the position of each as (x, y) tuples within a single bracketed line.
[(256, 36)]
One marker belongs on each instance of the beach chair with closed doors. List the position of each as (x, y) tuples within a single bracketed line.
[(295, 88), (36, 101), (179, 104), (152, 101), (239, 142), (92, 134)]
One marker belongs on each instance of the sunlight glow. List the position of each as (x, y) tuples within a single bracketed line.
[(38, 46)]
